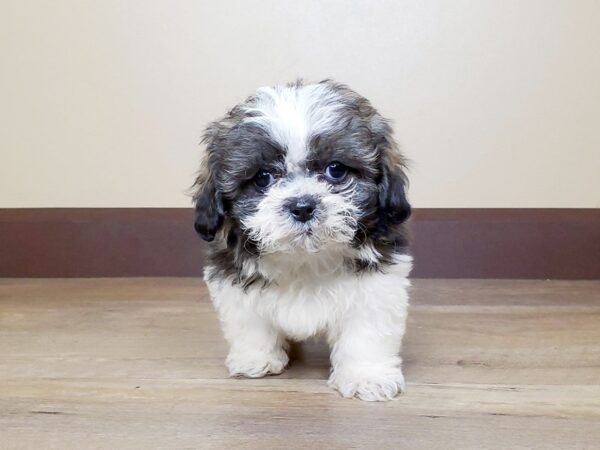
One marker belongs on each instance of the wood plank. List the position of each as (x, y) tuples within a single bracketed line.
[(138, 363)]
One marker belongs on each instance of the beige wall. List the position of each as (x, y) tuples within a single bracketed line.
[(497, 103)]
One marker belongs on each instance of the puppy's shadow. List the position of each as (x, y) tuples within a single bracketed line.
[(308, 359)]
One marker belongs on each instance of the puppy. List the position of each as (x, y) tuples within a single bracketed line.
[(302, 196)]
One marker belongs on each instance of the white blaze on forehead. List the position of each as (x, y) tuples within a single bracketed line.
[(293, 114)]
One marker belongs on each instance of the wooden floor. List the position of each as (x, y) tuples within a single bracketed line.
[(138, 363)]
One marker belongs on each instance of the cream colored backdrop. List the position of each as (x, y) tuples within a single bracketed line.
[(102, 103)]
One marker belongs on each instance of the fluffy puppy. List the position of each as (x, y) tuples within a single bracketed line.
[(302, 196)]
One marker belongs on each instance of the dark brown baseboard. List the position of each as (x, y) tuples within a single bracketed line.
[(447, 243)]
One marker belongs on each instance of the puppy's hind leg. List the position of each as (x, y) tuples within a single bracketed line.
[(256, 347)]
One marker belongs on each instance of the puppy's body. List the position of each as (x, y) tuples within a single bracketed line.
[(302, 196)]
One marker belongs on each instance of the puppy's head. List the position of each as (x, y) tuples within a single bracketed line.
[(301, 168)]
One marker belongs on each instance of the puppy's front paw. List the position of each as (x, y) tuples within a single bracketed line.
[(256, 364), (371, 385)]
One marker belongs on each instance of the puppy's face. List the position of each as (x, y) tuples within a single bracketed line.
[(301, 168)]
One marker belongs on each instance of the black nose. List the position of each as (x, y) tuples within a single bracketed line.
[(302, 208)]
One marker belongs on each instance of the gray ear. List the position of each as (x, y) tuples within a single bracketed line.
[(393, 205), (208, 201), (209, 209)]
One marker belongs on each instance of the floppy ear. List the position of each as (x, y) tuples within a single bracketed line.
[(393, 206), (209, 208), (208, 201)]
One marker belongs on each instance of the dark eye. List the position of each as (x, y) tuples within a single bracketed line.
[(263, 179), (336, 171)]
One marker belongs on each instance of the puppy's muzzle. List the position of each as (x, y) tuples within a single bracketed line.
[(302, 208)]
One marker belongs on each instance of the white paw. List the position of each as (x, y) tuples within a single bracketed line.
[(256, 364), (371, 385)]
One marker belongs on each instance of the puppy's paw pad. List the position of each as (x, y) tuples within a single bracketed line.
[(373, 388), (256, 365)]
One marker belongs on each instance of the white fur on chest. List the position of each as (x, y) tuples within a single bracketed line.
[(305, 300)]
